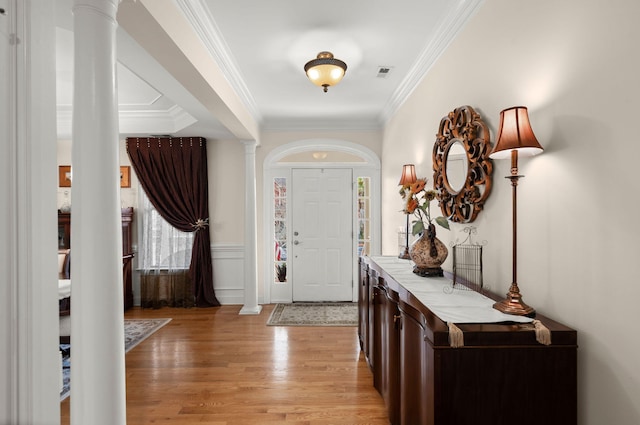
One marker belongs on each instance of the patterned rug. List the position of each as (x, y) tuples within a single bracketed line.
[(135, 331), (314, 314)]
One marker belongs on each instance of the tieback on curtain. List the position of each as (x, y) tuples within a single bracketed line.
[(200, 224)]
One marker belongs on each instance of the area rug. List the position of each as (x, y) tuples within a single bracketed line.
[(314, 314), (135, 331)]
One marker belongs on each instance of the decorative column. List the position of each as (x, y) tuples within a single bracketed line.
[(97, 321), (250, 232)]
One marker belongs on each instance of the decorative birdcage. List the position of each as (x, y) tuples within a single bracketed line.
[(467, 263)]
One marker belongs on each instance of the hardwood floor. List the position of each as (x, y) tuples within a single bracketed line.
[(213, 366)]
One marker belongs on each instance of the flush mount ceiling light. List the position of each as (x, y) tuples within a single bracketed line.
[(325, 70)]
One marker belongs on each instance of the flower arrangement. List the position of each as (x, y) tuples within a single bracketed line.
[(418, 202)]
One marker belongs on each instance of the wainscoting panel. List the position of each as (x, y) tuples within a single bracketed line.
[(228, 273)]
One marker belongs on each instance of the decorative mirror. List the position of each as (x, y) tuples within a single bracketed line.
[(461, 165)]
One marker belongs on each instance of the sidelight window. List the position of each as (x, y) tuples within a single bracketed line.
[(280, 228), (364, 216)]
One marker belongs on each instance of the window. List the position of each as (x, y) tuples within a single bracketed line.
[(163, 247), (364, 216), (280, 228)]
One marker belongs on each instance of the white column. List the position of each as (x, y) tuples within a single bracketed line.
[(250, 232), (97, 322), (29, 361)]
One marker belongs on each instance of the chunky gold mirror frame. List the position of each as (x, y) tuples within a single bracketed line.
[(461, 165)]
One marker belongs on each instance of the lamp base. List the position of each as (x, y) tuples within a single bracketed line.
[(513, 304), (405, 254)]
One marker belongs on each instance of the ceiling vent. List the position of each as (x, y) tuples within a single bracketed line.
[(384, 71)]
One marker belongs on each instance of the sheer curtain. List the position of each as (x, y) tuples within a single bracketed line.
[(163, 246), (164, 256)]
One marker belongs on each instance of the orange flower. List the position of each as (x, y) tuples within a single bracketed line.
[(418, 186), (412, 204), (418, 201)]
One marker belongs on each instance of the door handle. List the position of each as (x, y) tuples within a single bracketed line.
[(296, 243)]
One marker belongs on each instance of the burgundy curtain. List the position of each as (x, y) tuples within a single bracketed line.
[(173, 174)]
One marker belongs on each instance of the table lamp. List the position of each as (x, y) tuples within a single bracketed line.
[(408, 177)]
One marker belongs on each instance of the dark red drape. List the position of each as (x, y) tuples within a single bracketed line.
[(173, 174)]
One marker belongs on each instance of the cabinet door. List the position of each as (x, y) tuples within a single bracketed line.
[(363, 308), (371, 329), (386, 377), (415, 403), (379, 336)]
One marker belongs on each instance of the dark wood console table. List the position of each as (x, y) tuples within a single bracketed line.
[(501, 375)]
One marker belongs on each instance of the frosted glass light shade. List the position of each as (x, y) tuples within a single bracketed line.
[(325, 70)]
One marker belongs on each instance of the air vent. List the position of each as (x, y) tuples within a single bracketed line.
[(384, 71)]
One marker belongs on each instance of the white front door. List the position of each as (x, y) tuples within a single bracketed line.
[(322, 233)]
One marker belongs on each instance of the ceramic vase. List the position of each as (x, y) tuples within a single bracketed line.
[(428, 253)]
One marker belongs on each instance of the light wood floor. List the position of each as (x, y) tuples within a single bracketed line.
[(213, 366)]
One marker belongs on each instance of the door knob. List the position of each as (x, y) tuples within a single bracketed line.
[(296, 242)]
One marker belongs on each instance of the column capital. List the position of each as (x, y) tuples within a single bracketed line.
[(249, 145), (108, 8)]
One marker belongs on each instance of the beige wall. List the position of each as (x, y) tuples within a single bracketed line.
[(575, 64), (226, 191), (128, 196)]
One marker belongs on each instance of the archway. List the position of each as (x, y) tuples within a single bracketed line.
[(316, 154)]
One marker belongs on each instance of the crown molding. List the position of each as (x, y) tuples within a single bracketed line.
[(181, 118), (320, 124), (199, 16), (445, 33), (167, 121)]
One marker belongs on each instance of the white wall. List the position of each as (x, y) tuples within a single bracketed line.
[(575, 64)]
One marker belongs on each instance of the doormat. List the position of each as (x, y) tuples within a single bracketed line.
[(314, 314), (135, 331)]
